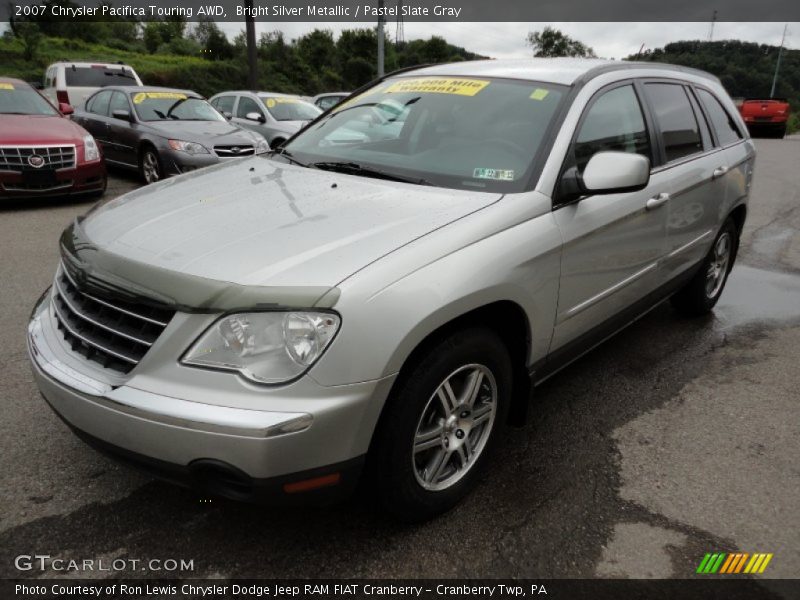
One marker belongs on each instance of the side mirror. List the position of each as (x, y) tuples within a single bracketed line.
[(607, 173), (65, 109), (254, 116), (228, 115), (122, 115)]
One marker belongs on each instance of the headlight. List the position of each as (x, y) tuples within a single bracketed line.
[(262, 146), (90, 150), (188, 147), (265, 347)]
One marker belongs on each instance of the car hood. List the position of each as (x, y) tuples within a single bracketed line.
[(34, 129), (260, 222), (290, 126), (203, 132)]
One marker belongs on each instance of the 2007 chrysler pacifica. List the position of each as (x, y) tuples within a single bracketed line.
[(377, 297)]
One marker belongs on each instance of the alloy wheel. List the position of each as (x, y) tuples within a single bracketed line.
[(454, 427), (718, 267)]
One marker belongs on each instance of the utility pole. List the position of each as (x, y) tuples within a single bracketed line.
[(778, 64), (380, 37), (711, 30), (250, 29)]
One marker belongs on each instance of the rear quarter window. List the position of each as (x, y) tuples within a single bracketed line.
[(724, 126)]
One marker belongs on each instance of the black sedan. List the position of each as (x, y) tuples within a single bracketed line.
[(162, 132)]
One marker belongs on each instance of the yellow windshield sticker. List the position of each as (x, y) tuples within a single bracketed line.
[(435, 85), (539, 94), (142, 96), (6, 86), (496, 174), (272, 102)]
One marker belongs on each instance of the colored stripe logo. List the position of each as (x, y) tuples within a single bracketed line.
[(737, 562)]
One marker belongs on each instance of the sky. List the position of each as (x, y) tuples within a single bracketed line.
[(507, 40)]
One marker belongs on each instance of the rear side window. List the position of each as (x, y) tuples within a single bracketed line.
[(727, 132), (97, 76), (614, 122), (676, 120), (98, 104)]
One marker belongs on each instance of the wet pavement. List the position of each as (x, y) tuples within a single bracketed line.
[(675, 438)]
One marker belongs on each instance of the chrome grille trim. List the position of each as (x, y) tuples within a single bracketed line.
[(228, 150), (94, 322), (109, 305), (15, 158), (117, 334), (90, 342)]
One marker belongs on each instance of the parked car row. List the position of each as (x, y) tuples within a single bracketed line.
[(106, 115)]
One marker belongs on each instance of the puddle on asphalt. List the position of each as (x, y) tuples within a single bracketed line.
[(756, 295)]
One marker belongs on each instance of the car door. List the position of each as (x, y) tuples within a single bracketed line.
[(122, 134), (692, 174), (95, 118), (246, 106), (612, 242)]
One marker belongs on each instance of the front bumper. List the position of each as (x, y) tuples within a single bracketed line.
[(240, 453), (84, 179)]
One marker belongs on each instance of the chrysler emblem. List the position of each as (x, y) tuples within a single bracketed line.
[(36, 161)]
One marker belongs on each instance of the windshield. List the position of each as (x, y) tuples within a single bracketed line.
[(290, 109), (462, 133), (98, 76), (18, 100), (173, 106)]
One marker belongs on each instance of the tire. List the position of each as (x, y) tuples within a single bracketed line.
[(276, 143), (702, 292), (780, 132), (416, 483), (150, 168)]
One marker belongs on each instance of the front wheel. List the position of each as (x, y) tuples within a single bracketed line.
[(701, 294), (441, 423), (150, 166)]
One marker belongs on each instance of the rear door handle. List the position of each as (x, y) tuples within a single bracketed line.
[(719, 172), (659, 200)]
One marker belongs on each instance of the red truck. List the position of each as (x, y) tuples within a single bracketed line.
[(765, 117)]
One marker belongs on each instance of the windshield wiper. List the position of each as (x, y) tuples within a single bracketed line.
[(288, 155), (354, 168)]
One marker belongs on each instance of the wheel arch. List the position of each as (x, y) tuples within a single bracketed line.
[(510, 321)]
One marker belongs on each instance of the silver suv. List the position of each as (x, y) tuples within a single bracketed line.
[(377, 298)]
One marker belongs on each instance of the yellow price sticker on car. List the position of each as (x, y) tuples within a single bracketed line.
[(6, 86), (142, 96), (438, 85), (539, 94), (272, 102)]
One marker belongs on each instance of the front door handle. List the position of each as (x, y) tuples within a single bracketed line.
[(659, 200), (719, 172)]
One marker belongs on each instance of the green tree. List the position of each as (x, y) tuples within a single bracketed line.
[(29, 34), (214, 45), (552, 42)]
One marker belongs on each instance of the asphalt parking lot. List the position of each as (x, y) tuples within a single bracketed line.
[(673, 439)]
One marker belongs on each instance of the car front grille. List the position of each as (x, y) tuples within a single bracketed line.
[(18, 158), (113, 333), (229, 151)]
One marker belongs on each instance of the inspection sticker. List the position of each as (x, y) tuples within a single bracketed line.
[(539, 94), (271, 102), (142, 96), (436, 85), (497, 174), (6, 86)]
